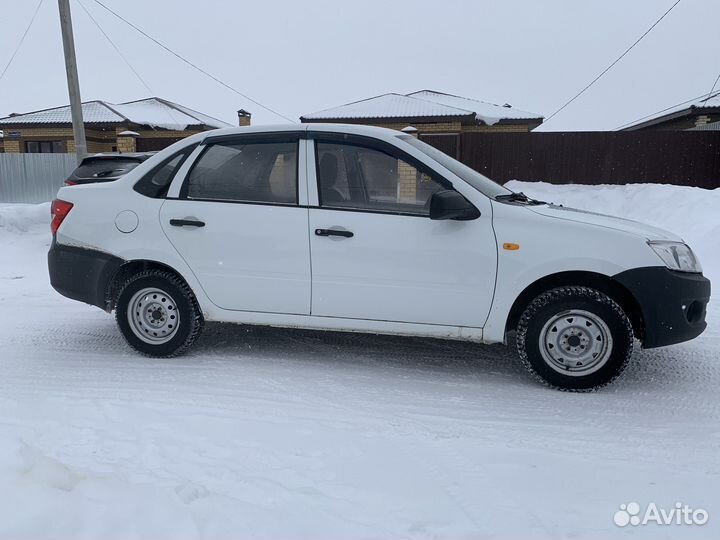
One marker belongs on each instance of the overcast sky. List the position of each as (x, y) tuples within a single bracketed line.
[(301, 56)]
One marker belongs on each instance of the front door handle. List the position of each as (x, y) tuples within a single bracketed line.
[(187, 223), (333, 232)]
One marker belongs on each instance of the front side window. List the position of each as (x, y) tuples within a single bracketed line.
[(263, 172), (480, 182), (354, 176)]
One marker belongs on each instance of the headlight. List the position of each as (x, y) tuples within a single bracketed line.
[(676, 256)]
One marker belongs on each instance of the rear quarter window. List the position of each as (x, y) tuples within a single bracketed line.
[(156, 182)]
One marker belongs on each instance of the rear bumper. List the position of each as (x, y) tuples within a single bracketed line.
[(673, 304), (82, 274)]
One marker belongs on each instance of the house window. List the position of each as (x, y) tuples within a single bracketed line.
[(45, 147)]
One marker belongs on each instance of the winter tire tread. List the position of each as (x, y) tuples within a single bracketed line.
[(193, 315), (622, 336)]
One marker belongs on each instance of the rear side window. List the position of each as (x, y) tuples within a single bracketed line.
[(156, 183), (263, 172), (104, 168)]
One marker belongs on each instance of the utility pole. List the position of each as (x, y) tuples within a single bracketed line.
[(72, 79)]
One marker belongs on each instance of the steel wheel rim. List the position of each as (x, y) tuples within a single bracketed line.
[(153, 316), (576, 343)]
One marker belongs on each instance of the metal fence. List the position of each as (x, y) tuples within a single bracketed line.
[(686, 158), (33, 178)]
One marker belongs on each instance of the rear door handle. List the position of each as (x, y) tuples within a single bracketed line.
[(187, 223), (333, 232)]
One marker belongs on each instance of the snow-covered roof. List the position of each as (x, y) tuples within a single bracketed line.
[(387, 106), (154, 112), (490, 113), (422, 104), (712, 126), (710, 101)]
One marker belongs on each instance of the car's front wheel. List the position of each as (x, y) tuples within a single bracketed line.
[(574, 338), (158, 314)]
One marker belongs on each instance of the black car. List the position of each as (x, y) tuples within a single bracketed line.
[(105, 167)]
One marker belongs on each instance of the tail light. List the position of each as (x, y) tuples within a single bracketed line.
[(59, 211), (70, 183)]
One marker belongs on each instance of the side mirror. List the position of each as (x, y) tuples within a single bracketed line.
[(449, 204)]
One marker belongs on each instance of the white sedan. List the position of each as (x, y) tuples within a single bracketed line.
[(355, 228)]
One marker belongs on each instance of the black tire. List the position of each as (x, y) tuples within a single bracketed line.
[(188, 312), (551, 359)]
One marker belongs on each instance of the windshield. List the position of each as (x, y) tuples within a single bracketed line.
[(480, 182)]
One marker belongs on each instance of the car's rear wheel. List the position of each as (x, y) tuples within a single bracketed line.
[(158, 314), (574, 338)]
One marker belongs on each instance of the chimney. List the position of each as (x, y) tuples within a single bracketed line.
[(243, 118)]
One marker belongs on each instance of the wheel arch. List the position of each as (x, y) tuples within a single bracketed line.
[(130, 268), (605, 284)]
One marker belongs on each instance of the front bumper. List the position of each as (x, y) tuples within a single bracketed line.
[(673, 304), (82, 274)]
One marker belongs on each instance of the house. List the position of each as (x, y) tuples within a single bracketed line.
[(429, 112), (712, 126), (699, 113), (143, 125), (439, 118)]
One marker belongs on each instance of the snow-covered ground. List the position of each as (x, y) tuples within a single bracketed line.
[(270, 433)]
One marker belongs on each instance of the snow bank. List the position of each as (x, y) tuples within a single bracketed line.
[(24, 217), (689, 212)]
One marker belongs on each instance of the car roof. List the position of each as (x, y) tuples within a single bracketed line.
[(206, 137), (351, 129)]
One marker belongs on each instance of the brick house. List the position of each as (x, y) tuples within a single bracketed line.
[(143, 125), (695, 116), (438, 117)]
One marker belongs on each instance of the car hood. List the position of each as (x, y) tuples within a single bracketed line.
[(602, 220)]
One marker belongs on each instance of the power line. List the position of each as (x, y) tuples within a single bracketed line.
[(663, 110), (188, 62), (117, 50), (713, 86), (124, 58), (596, 79), (22, 39)]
